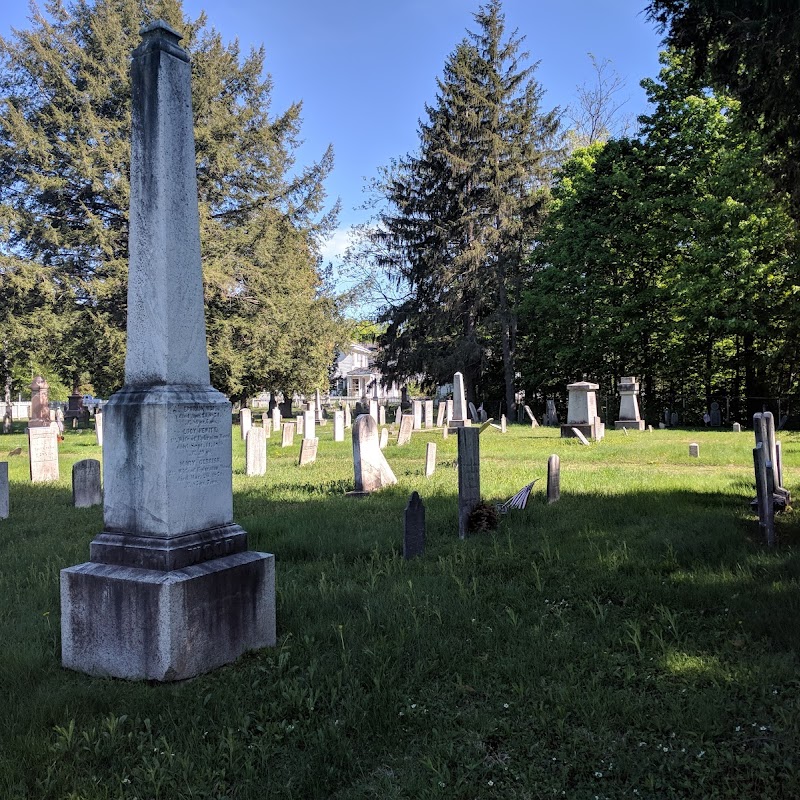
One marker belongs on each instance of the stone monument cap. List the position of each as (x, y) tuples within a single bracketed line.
[(583, 386), (159, 25)]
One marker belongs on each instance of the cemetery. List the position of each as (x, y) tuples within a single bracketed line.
[(434, 595)]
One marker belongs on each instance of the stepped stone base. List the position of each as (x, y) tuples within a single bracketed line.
[(630, 424), (146, 624)]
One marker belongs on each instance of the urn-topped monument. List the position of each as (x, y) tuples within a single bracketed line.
[(171, 590)]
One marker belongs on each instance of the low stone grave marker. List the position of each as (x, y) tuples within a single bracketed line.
[(3, 489), (287, 439), (737, 428), (384, 438), (445, 432), (694, 450), (503, 424), (430, 459), (43, 450), (414, 531), (580, 437), (308, 451), (256, 452), (245, 421), (553, 478), (372, 471), (86, 488), (406, 427), (469, 477), (485, 425)]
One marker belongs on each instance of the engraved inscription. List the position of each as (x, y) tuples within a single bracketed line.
[(199, 433)]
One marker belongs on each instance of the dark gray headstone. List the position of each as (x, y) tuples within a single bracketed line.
[(414, 533), (469, 476), (3, 489), (553, 478), (716, 415), (86, 489)]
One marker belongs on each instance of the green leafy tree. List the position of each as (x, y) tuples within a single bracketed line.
[(64, 162), (460, 216)]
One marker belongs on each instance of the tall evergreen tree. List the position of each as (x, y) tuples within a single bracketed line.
[(64, 194), (461, 214)]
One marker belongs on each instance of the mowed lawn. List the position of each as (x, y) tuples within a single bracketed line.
[(634, 640)]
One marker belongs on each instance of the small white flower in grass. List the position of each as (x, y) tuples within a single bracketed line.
[(505, 705), (598, 774), (441, 783), (413, 705), (738, 728), (701, 753), (490, 783), (762, 727)]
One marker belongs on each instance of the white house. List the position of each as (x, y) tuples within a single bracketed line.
[(355, 374)]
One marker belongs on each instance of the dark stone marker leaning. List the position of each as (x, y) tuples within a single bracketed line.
[(553, 478), (414, 534), (469, 477)]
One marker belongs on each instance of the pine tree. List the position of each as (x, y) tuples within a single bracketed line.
[(462, 214), (64, 194)]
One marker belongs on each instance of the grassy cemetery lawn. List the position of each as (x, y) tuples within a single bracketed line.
[(635, 639)]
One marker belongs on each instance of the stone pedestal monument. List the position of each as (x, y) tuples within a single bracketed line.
[(460, 418), (629, 417), (171, 590), (582, 412)]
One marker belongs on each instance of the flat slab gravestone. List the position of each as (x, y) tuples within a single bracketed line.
[(255, 452), (469, 477), (414, 530), (406, 428), (43, 452), (4, 490), (245, 421), (86, 487), (171, 590), (372, 471), (430, 459), (308, 451), (579, 436), (287, 439)]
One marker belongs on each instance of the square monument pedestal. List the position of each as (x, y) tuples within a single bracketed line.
[(630, 424), (145, 624), (591, 430)]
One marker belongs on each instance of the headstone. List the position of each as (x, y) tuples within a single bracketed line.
[(416, 407), (43, 452), (171, 590), (428, 414), (40, 408), (384, 443), (553, 478), (338, 426), (440, 412), (764, 493), (445, 432), (460, 417), (503, 423), (469, 477), (551, 415), (86, 489), (531, 417), (473, 412), (98, 427), (309, 429), (299, 424), (629, 416), (398, 415), (348, 419), (578, 434), (716, 416), (673, 419), (582, 411), (245, 421), (317, 407), (373, 410), (650, 428), (764, 429), (74, 423), (430, 459), (287, 440), (482, 415), (414, 532), (406, 427), (255, 454), (694, 450), (276, 419), (783, 421), (661, 426), (737, 428), (308, 451), (448, 415), (381, 415), (372, 471), (3, 489), (485, 425)]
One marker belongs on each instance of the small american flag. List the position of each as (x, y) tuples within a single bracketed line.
[(519, 500)]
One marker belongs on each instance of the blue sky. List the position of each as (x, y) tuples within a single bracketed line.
[(364, 69)]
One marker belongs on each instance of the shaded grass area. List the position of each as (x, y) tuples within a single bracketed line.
[(633, 640)]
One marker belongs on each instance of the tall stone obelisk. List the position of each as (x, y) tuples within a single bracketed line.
[(171, 590)]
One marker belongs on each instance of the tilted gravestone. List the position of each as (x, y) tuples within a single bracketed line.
[(287, 439), (255, 454), (308, 451), (371, 469), (469, 477), (171, 590), (430, 459), (3, 489), (553, 478), (43, 452), (86, 488), (338, 426), (440, 411), (414, 531), (406, 427), (245, 421), (531, 417)]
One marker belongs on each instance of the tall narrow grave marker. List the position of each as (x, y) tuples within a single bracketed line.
[(430, 459), (3, 489), (469, 477), (553, 478), (255, 452), (414, 532)]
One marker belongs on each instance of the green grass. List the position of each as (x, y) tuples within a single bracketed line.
[(634, 640)]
